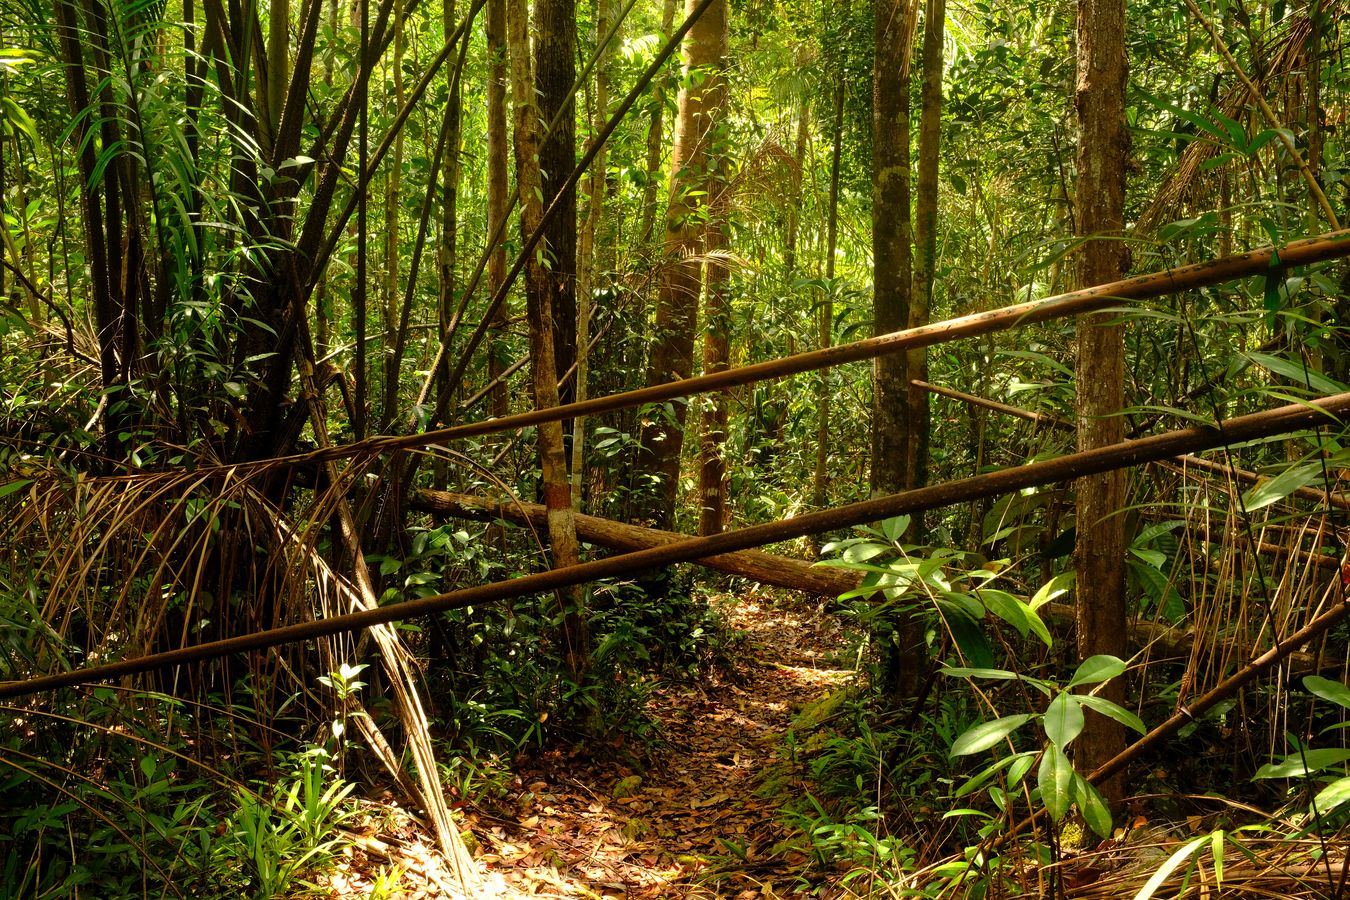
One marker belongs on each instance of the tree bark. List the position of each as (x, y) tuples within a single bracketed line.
[(1099, 553), (552, 457), (586, 255), (925, 236), (660, 88), (555, 40), (892, 468), (497, 191), (701, 106)]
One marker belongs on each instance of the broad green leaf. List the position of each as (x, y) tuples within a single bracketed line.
[(1275, 489), (1332, 796), (1063, 720), (988, 734), (1318, 686), (967, 634), (1182, 854), (1006, 607), (981, 778), (1113, 711), (1090, 803), (1296, 765), (1296, 372), (11, 487), (1053, 589), (1018, 770), (1216, 850), (1056, 781), (1096, 669)]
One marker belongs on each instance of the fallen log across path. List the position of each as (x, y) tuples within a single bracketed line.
[(1162, 641), (1282, 420), (766, 568)]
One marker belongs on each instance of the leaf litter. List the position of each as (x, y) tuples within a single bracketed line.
[(691, 823)]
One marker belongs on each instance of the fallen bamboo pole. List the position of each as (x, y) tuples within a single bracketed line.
[(1331, 245), (1164, 641), (1282, 420), (1338, 500)]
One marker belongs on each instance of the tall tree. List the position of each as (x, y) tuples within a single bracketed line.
[(925, 234), (586, 252), (552, 455), (494, 28), (555, 48), (1099, 552), (702, 104), (892, 464)]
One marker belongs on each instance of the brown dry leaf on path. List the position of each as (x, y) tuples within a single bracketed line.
[(690, 826)]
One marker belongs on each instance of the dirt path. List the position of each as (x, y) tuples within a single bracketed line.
[(691, 825)]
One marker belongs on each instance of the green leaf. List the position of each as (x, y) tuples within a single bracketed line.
[(1056, 780), (895, 528), (1296, 372), (1332, 796), (1063, 720), (1316, 685), (1296, 765), (1096, 669), (967, 634), (11, 487), (1007, 607), (1053, 589), (1112, 711), (996, 674), (1275, 489), (987, 734), (1090, 803), (1182, 854)]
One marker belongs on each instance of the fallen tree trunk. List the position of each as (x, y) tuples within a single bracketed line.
[(766, 568), (782, 571)]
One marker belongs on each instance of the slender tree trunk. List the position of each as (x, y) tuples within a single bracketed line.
[(495, 32), (825, 320), (907, 656), (557, 494), (794, 210), (586, 254), (389, 292), (701, 106), (925, 259), (660, 89), (716, 358), (1099, 554)]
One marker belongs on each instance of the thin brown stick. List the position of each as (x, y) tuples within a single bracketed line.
[(1282, 420), (1315, 249), (1340, 501)]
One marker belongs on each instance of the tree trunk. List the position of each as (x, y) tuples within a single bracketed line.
[(892, 466), (553, 462), (660, 88), (925, 237), (716, 358), (1099, 554), (497, 190), (825, 324), (555, 39), (586, 255), (701, 106)]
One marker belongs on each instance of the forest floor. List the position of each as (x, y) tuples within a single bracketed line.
[(702, 816), (698, 819)]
